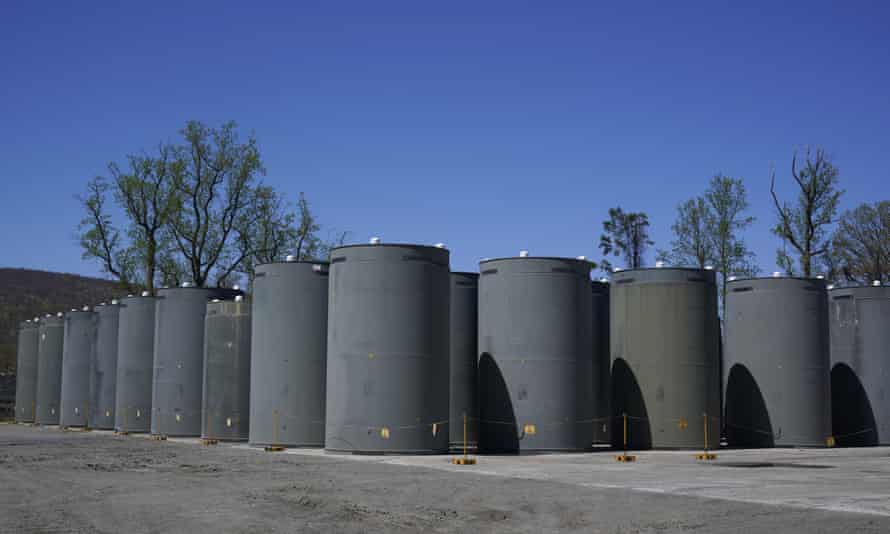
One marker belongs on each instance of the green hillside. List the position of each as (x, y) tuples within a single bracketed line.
[(26, 293)]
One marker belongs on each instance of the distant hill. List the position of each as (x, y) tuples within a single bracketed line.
[(25, 293)]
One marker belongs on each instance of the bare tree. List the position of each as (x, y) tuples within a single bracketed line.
[(625, 235), (803, 226)]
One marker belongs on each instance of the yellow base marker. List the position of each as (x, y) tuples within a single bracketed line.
[(121, 433), (625, 458), (159, 437), (207, 441), (274, 448), (465, 459), (706, 456)]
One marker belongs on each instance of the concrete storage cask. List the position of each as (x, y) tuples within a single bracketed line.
[(77, 354), (226, 400), (135, 363), (602, 363), (288, 354), (665, 350), (179, 358), (388, 353), (859, 321), (49, 369), (777, 363), (103, 369), (536, 355), (464, 322), (26, 372)]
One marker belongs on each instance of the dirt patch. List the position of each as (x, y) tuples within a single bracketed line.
[(53, 481)]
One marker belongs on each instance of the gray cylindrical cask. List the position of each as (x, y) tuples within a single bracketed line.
[(777, 363), (289, 354), (388, 349), (226, 400), (536, 355)]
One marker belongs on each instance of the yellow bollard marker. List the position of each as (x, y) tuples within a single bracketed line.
[(160, 435), (125, 430), (275, 447), (625, 457), (208, 440), (466, 460), (706, 456)]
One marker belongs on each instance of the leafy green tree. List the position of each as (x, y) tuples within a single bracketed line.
[(860, 244), (625, 235), (692, 244), (309, 244), (100, 238), (146, 194), (265, 232), (194, 211), (727, 201), (216, 183), (708, 232), (804, 224)]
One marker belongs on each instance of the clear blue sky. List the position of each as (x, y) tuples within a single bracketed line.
[(490, 126)]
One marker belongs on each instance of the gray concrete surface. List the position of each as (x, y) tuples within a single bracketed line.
[(53, 481)]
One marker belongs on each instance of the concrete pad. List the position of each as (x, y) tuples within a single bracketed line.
[(840, 480)]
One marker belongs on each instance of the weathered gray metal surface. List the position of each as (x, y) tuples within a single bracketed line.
[(26, 373), (388, 349), (464, 339), (777, 363), (77, 354), (179, 359), (536, 355), (665, 351), (226, 398), (49, 369), (859, 319), (289, 354), (602, 362), (135, 364), (103, 369)]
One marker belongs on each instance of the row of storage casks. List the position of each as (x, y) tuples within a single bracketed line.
[(385, 350), (133, 365)]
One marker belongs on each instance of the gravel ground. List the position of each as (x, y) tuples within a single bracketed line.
[(52, 481)]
